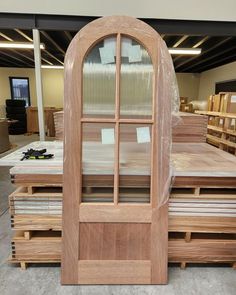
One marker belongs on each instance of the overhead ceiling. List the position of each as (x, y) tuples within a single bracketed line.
[(216, 50)]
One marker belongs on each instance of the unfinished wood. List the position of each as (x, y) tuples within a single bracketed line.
[(192, 159), (200, 250), (211, 224), (219, 114), (187, 237), (111, 213), (32, 120), (216, 103), (114, 272), (190, 128), (27, 235), (42, 245), (114, 241), (159, 243), (72, 178), (203, 248), (23, 265)]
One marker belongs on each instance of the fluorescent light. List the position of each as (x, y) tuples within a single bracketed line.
[(51, 67), (19, 45), (187, 51)]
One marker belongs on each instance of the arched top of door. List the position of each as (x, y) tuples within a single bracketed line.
[(104, 27)]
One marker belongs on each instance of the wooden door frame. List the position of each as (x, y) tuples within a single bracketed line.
[(156, 213)]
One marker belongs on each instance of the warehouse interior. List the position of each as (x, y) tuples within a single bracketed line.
[(59, 231)]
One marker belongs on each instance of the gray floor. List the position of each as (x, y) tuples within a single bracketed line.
[(45, 279)]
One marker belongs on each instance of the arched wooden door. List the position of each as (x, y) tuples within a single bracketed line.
[(116, 155)]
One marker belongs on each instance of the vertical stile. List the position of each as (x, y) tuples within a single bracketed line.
[(152, 195), (117, 116)]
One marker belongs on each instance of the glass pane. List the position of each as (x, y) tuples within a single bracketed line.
[(98, 162), (136, 80), (99, 80), (20, 89), (135, 163)]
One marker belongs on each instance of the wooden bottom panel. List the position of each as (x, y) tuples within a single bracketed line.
[(114, 272), (114, 241)]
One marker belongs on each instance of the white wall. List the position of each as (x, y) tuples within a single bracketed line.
[(188, 85), (209, 78), (52, 86), (170, 9)]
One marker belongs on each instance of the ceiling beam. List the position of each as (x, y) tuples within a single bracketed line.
[(24, 35), (7, 62), (75, 23), (204, 53), (53, 42), (212, 56), (22, 55), (54, 57), (17, 59), (196, 45), (217, 62), (6, 37), (31, 40), (201, 42), (180, 41), (68, 35)]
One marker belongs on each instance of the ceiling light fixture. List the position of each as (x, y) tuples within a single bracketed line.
[(19, 45), (52, 67), (186, 51)]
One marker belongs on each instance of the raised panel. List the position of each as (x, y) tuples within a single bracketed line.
[(114, 241)]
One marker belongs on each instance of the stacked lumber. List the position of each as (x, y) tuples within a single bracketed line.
[(59, 124), (39, 246), (32, 120), (45, 247), (202, 248), (191, 128), (202, 210)]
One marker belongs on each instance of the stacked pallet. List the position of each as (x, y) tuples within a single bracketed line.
[(202, 211), (59, 123), (190, 128)]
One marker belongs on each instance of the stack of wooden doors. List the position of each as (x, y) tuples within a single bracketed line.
[(118, 76)]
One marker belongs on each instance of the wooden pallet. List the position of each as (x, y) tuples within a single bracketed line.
[(186, 247)]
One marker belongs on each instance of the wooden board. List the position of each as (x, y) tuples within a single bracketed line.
[(32, 120), (190, 128)]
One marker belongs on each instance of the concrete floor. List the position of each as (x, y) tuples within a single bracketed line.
[(45, 279)]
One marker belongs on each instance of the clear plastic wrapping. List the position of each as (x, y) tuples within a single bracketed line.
[(148, 93)]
